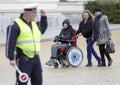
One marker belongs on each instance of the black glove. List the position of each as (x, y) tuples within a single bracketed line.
[(57, 38)]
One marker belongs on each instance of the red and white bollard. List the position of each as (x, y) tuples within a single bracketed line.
[(23, 77)]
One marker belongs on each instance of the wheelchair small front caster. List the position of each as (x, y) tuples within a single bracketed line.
[(56, 65), (67, 66)]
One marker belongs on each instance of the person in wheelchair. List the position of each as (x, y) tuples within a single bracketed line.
[(65, 34)]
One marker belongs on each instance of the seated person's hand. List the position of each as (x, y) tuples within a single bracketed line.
[(57, 38)]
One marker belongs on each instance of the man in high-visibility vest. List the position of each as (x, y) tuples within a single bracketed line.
[(24, 36)]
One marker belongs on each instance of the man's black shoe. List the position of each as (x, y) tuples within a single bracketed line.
[(101, 65), (110, 62)]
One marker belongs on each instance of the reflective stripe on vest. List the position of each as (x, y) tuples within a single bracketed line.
[(29, 38)]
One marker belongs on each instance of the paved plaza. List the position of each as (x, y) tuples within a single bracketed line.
[(69, 76)]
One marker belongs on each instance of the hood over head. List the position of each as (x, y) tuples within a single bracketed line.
[(67, 21)]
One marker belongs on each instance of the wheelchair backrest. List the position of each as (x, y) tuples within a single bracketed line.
[(74, 38), (73, 41)]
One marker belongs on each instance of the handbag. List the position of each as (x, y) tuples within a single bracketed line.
[(110, 47)]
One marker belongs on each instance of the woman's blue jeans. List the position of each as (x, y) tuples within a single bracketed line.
[(91, 50)]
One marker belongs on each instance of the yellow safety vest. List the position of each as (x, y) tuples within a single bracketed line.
[(28, 39)]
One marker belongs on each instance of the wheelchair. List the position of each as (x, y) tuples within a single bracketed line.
[(70, 56)]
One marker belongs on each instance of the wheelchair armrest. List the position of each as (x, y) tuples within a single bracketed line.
[(59, 40), (68, 41), (65, 41)]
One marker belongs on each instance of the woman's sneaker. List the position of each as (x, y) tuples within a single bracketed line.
[(88, 65)]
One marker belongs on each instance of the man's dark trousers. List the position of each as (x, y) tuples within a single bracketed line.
[(32, 67)]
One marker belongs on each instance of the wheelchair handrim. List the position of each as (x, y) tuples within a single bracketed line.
[(74, 56)]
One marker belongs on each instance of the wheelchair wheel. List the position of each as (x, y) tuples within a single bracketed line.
[(74, 56)]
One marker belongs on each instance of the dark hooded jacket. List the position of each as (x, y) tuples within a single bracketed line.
[(66, 33)]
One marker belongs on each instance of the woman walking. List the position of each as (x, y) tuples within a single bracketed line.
[(102, 34), (86, 29)]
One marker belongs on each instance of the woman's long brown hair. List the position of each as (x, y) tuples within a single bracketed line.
[(91, 17)]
